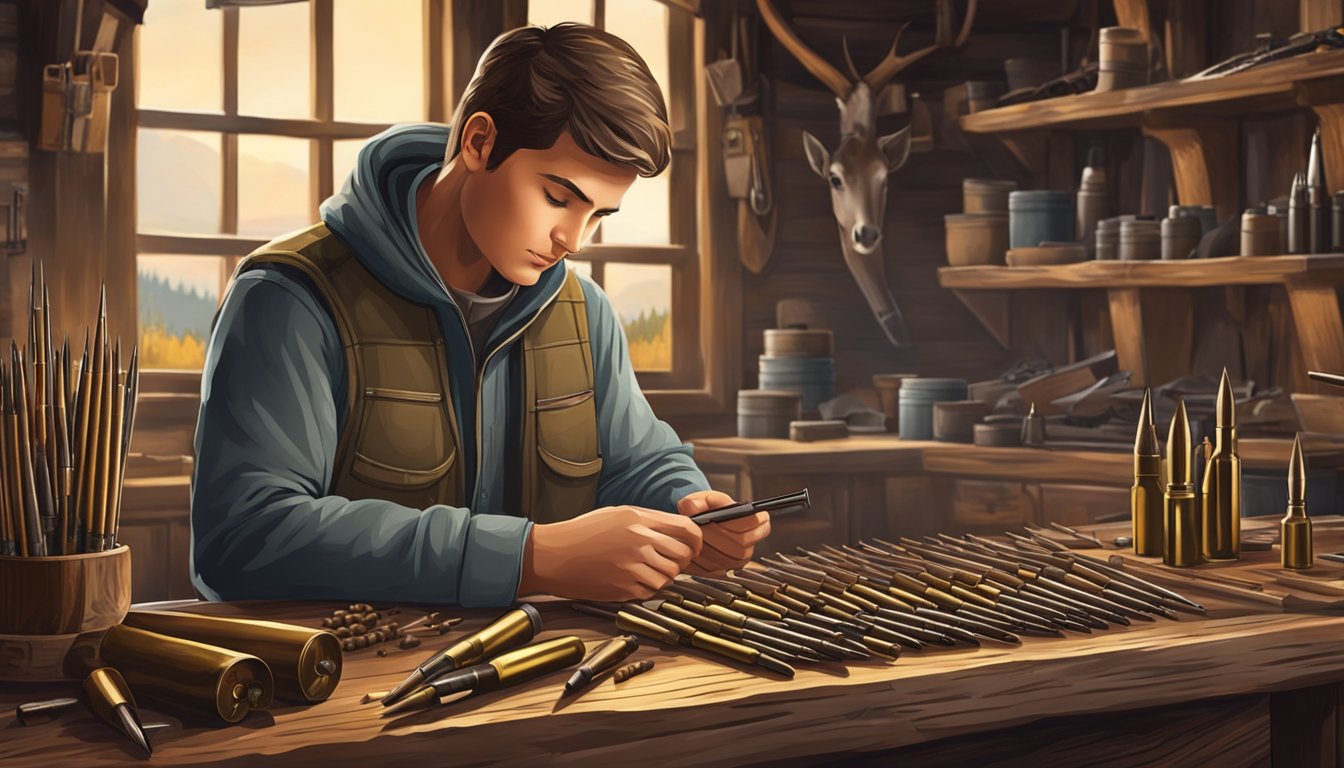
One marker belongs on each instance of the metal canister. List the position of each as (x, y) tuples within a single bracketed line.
[(1180, 236), (767, 412), (1259, 233), (306, 662), (916, 404), (1108, 237), (1208, 217), (1140, 240), (224, 683), (1037, 216), (986, 195), (1337, 222), (1093, 206)]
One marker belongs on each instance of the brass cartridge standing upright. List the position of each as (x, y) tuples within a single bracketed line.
[(1145, 497), (1221, 503), (1181, 511), (1295, 547)]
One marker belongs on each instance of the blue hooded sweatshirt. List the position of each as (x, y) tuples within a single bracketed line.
[(273, 405)]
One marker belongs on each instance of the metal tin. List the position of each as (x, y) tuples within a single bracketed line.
[(811, 377), (1208, 217), (1039, 215), (1180, 236), (216, 680), (888, 386), (799, 342), (767, 413), (1140, 240), (955, 421), (306, 662), (1123, 60), (1108, 237), (1337, 222), (916, 404), (1259, 234)]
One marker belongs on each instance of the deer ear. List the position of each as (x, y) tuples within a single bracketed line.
[(817, 156), (896, 146)]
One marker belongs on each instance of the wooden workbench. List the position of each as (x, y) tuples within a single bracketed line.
[(1237, 687)]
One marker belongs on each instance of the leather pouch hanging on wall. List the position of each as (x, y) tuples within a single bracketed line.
[(77, 102)]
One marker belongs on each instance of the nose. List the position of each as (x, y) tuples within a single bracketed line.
[(565, 242), (867, 236)]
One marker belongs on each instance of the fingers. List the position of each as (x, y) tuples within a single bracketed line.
[(703, 501), (649, 577), (671, 549), (751, 529), (679, 528)]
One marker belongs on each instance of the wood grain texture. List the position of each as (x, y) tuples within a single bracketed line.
[(1265, 88), (1320, 329), (693, 710), (1204, 158), (1326, 269)]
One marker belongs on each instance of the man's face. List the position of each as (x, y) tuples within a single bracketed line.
[(540, 205)]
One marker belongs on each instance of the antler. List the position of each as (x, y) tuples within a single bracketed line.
[(819, 67), (879, 75)]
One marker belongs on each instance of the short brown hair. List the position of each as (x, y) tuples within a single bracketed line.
[(538, 82)]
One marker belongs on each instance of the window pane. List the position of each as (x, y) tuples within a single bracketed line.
[(643, 24), (181, 55), (275, 61), (548, 13), (643, 218), (273, 195), (344, 152), (641, 294), (178, 181), (178, 298), (380, 61)]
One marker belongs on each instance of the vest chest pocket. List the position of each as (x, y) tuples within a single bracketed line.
[(571, 460), (404, 440)]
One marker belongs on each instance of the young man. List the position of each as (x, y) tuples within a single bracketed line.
[(416, 400)]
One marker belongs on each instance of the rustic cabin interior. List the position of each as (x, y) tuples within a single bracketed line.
[(934, 261)]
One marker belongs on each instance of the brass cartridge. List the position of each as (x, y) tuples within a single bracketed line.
[(1295, 547), (1220, 520), (1181, 512), (108, 696), (1145, 497), (216, 680), (306, 662)]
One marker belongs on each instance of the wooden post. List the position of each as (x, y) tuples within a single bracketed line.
[(1204, 159), (1320, 329)]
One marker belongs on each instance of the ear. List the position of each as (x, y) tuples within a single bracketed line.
[(896, 146), (478, 139), (817, 156)]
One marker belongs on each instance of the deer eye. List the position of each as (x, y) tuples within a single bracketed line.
[(835, 182)]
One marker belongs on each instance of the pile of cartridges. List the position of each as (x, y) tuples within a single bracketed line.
[(64, 438), (880, 598)]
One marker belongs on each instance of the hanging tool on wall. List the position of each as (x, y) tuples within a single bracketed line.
[(77, 98), (739, 88)]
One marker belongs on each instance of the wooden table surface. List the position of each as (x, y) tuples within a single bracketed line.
[(691, 709)]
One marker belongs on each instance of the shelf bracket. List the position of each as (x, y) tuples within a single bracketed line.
[(1153, 329), (991, 308), (1320, 328), (1204, 159)]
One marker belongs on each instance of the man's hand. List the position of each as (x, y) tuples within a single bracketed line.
[(729, 544), (611, 554)]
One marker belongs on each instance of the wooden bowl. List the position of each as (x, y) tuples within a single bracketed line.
[(955, 421), (53, 611), (1055, 253)]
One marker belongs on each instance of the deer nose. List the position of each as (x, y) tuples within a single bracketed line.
[(867, 236)]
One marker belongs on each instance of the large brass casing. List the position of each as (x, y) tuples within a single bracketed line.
[(1296, 552), (1145, 506), (216, 680), (294, 654), (508, 631), (530, 661), (1182, 527), (1221, 502)]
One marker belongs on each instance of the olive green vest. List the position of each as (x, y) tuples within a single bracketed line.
[(401, 439)]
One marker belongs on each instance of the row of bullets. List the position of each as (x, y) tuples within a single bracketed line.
[(1187, 524), (64, 438), (837, 604)]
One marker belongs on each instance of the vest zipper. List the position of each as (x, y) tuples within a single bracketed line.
[(480, 376)]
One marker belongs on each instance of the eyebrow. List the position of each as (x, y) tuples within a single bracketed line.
[(572, 187)]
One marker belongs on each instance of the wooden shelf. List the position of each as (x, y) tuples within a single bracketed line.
[(1195, 273), (1265, 88)]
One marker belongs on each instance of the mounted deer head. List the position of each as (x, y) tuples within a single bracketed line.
[(858, 168)]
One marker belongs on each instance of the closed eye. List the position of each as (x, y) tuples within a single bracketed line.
[(553, 201)]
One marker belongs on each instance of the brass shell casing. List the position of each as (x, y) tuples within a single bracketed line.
[(508, 631), (1181, 526), (104, 690), (217, 680), (1295, 547), (294, 654), (531, 661), (1221, 504), (1146, 503)]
